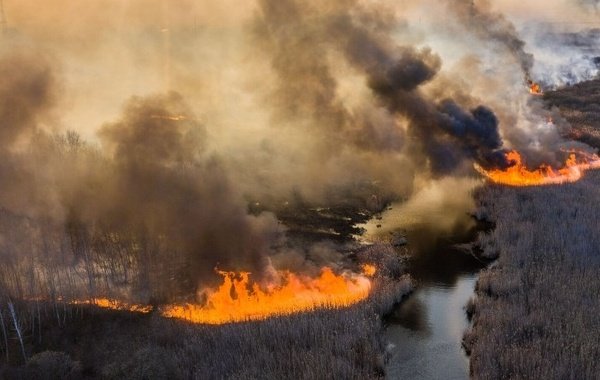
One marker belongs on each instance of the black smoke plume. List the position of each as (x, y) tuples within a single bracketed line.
[(442, 131)]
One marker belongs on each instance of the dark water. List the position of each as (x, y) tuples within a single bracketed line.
[(425, 331)]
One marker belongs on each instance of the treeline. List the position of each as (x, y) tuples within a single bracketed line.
[(49, 250)]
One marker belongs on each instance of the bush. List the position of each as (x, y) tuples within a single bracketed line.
[(149, 362), (51, 365)]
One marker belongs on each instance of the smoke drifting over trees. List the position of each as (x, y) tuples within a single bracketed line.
[(282, 100), (152, 185)]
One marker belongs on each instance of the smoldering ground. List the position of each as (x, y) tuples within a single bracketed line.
[(281, 100)]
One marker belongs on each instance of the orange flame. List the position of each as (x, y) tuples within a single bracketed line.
[(519, 175), (368, 270), (108, 303), (238, 299), (535, 88)]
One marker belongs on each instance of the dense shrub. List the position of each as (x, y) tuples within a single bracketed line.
[(46, 365)]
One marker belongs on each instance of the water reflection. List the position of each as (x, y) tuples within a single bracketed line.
[(425, 331), (411, 316), (437, 260)]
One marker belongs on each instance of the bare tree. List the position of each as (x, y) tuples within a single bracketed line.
[(4, 334), (18, 329)]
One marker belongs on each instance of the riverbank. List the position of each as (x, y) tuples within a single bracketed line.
[(535, 310)]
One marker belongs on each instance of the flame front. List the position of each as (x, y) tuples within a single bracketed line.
[(535, 88), (113, 304), (519, 175), (238, 299)]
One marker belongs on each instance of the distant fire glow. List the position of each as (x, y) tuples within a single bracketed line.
[(535, 88), (369, 269), (113, 304), (238, 299), (519, 175)]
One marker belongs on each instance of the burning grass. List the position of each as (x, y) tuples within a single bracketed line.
[(519, 175), (579, 106), (535, 310), (114, 304), (238, 299), (535, 88), (104, 339)]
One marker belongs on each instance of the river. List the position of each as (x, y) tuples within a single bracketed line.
[(424, 332)]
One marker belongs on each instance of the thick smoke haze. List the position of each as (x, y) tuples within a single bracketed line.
[(137, 132), (480, 19)]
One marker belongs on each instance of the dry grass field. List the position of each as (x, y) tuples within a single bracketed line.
[(535, 314)]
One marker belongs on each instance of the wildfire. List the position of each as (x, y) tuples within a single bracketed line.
[(368, 270), (534, 88), (108, 303), (519, 175), (238, 299)]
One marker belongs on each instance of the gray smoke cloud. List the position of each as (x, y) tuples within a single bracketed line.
[(477, 17), (28, 92), (164, 182), (565, 56), (590, 4)]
